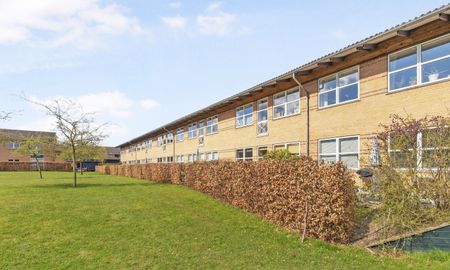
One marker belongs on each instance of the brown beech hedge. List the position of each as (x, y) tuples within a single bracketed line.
[(289, 193), (31, 166)]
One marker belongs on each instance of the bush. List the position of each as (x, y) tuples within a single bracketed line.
[(281, 154)]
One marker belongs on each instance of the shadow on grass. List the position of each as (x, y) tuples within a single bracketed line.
[(93, 185)]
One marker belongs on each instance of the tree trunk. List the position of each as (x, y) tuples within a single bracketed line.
[(81, 167), (74, 167), (38, 166)]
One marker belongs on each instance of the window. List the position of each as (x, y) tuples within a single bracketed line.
[(159, 141), (169, 138), (262, 151), (293, 148), (286, 103), (201, 156), (212, 156), (212, 125), (244, 115), (13, 146), (180, 158), (180, 134), (339, 88), (424, 63), (201, 129), (262, 126), (345, 149), (422, 152), (192, 157), (192, 131), (245, 154)]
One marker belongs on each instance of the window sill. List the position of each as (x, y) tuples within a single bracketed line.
[(339, 104), (262, 135), (412, 87)]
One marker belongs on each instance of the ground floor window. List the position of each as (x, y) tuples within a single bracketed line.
[(293, 147), (212, 156), (344, 149), (192, 157), (245, 154), (180, 158), (262, 151)]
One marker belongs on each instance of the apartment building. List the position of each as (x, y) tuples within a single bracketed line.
[(328, 109), (10, 140)]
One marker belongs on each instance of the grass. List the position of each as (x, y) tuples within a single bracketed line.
[(121, 223)]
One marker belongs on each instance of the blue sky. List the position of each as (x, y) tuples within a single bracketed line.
[(139, 64)]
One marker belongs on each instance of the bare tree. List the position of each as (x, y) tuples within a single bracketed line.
[(5, 115), (76, 127)]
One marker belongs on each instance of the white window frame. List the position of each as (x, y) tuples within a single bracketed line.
[(258, 148), (201, 128), (180, 134), (212, 118), (160, 141), (337, 154), (336, 77), (244, 157), (258, 122), (285, 146), (285, 104), (244, 115), (212, 155), (418, 65), (192, 131)]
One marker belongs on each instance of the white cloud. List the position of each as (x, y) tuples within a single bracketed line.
[(178, 21), (175, 4), (148, 104), (81, 23), (216, 25), (214, 6)]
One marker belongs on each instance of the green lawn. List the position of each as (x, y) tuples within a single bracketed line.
[(113, 222)]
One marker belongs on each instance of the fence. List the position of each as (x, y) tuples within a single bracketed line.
[(289, 193), (31, 166)]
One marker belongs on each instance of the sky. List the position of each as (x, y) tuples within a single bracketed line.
[(138, 64)]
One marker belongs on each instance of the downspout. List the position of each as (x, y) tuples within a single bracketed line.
[(307, 111), (173, 143)]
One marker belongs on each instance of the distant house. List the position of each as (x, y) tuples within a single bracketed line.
[(10, 140), (112, 156)]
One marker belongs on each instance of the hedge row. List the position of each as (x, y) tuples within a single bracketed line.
[(279, 191), (31, 166)]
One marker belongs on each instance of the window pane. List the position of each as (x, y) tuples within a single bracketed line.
[(239, 112), (262, 151), (294, 148), (327, 147), (278, 111), (239, 122), (436, 49), (263, 104), (262, 128), (248, 109), (436, 70), (328, 98), (248, 119), (262, 116), (328, 159), (350, 161), (348, 77), (293, 108), (348, 145), (293, 95), (248, 153), (279, 147), (403, 59), (403, 159), (403, 78), (327, 84), (348, 93), (279, 99)]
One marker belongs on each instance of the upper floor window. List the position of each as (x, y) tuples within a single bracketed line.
[(339, 88), (263, 116), (424, 63), (212, 125), (344, 149), (159, 142), (244, 115), (180, 134), (286, 103), (168, 138), (13, 146), (201, 128), (192, 131)]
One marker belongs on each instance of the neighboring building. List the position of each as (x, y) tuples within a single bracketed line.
[(12, 138), (112, 156), (404, 69)]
